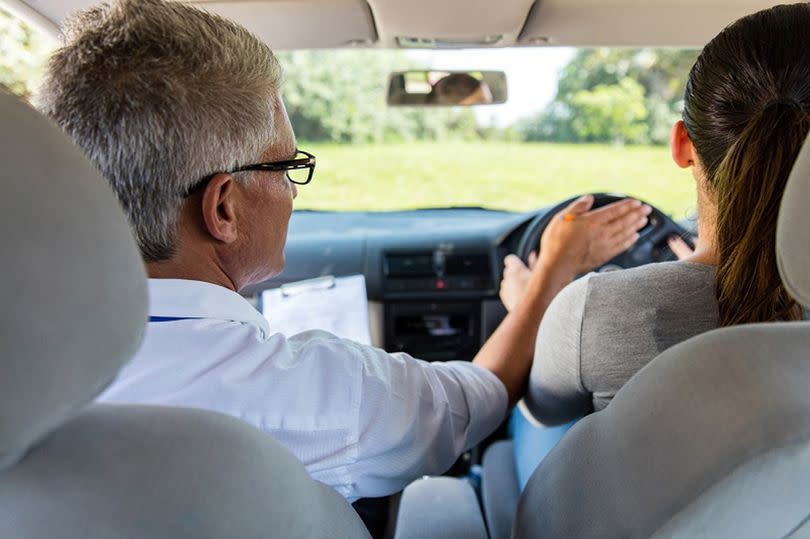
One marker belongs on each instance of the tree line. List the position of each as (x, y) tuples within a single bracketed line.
[(630, 96), (620, 96)]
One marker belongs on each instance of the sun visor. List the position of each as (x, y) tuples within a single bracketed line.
[(630, 23), (283, 24), (302, 24)]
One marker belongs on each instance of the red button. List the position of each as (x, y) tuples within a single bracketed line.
[(439, 284)]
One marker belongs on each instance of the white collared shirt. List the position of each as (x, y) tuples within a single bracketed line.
[(362, 421)]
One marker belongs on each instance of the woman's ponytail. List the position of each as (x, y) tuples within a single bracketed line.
[(746, 111), (748, 185)]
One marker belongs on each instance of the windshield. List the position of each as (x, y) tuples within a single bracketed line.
[(575, 121)]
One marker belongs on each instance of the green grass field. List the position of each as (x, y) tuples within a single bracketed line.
[(513, 176)]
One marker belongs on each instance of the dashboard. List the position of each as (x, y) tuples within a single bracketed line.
[(432, 275)]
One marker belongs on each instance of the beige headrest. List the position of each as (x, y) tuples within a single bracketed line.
[(793, 230), (72, 282)]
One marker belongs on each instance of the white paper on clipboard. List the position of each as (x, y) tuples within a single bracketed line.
[(338, 305)]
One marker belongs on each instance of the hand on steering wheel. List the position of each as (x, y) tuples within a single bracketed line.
[(515, 280), (577, 240)]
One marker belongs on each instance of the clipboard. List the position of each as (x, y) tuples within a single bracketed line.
[(301, 287), (338, 305)]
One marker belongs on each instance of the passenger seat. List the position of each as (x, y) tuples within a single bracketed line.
[(73, 312)]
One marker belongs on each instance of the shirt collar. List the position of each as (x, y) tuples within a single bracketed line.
[(183, 298)]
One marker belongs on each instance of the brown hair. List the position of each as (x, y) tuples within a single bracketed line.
[(746, 111)]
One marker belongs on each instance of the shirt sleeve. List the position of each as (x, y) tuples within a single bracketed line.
[(556, 394), (416, 418)]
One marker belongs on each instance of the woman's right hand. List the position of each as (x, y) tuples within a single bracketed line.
[(577, 244), (578, 239)]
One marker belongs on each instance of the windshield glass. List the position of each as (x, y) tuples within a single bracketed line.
[(576, 120)]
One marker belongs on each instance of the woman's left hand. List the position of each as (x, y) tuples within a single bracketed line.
[(680, 247), (516, 276)]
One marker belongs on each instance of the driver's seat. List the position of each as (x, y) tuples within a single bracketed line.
[(711, 439), (74, 300)]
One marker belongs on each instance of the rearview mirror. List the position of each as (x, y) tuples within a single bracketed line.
[(447, 88)]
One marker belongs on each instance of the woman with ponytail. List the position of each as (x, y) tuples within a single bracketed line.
[(746, 116), (742, 181)]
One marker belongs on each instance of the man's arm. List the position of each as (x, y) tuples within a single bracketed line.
[(509, 351), (415, 418)]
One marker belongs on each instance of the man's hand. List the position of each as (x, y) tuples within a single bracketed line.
[(578, 239)]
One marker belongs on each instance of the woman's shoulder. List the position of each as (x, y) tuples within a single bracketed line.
[(652, 306), (653, 283), (660, 270), (631, 316), (601, 329), (665, 283)]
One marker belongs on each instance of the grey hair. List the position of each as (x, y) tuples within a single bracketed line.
[(159, 95)]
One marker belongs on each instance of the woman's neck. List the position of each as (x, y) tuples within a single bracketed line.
[(706, 244)]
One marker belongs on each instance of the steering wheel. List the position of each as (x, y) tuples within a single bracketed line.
[(651, 245)]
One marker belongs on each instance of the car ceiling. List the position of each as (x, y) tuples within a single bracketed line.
[(305, 24)]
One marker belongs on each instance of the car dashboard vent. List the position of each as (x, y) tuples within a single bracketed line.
[(438, 271)]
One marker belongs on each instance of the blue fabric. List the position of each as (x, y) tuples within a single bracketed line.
[(531, 444), (169, 318)]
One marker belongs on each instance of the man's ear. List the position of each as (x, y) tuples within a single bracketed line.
[(683, 151), (219, 203)]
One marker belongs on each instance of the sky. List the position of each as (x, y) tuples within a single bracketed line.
[(531, 76)]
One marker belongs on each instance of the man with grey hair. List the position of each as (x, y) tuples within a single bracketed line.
[(181, 111)]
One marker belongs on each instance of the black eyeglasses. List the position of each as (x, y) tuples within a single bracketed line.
[(299, 170)]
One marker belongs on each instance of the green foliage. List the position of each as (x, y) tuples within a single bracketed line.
[(639, 89), (614, 112), (513, 176), (23, 53), (604, 95), (334, 96), (339, 96)]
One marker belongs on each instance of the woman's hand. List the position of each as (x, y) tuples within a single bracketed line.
[(578, 239), (516, 276), (680, 247)]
